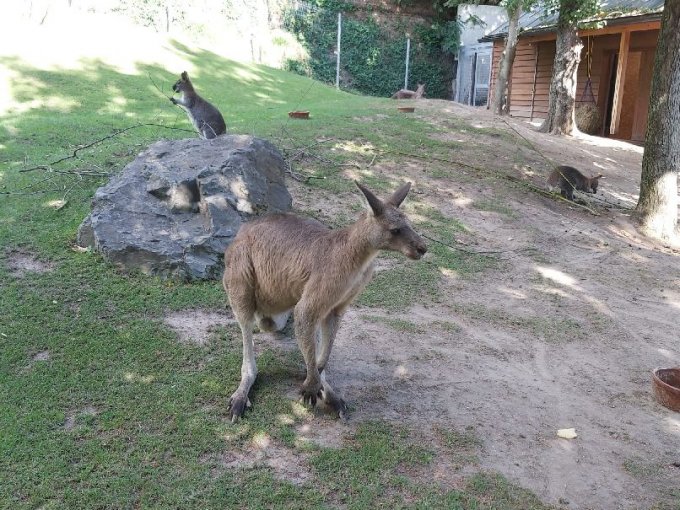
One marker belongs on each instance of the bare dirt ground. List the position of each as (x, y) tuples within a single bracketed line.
[(563, 336), (564, 332)]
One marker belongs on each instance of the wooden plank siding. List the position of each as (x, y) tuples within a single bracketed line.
[(530, 78)]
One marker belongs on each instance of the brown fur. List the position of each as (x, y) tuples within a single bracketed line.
[(207, 119), (284, 262), (410, 94), (567, 178)]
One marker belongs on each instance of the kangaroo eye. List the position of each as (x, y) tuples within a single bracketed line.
[(395, 231)]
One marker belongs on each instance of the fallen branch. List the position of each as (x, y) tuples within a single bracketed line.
[(96, 142), (549, 194), (169, 98)]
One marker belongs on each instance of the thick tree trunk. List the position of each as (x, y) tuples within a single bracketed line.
[(501, 101), (560, 119), (657, 207)]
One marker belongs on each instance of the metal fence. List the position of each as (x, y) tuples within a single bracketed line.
[(474, 74), (353, 51)]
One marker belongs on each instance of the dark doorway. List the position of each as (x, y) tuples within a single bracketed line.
[(613, 63)]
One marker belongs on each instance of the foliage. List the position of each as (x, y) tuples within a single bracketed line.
[(372, 56), (571, 12)]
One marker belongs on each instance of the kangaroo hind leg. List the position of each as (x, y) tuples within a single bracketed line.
[(242, 301), (329, 328)]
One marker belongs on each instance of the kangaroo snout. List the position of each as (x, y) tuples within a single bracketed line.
[(417, 250)]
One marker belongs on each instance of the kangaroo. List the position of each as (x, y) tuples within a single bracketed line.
[(282, 263), (568, 178), (207, 119), (410, 94)]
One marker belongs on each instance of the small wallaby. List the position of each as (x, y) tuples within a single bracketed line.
[(567, 178), (207, 119), (410, 94), (282, 263)]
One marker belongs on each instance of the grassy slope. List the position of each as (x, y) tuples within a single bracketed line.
[(147, 415)]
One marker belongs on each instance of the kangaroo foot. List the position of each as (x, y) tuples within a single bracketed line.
[(310, 393), (336, 403), (237, 405)]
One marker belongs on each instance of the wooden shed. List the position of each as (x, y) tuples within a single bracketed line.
[(618, 58)]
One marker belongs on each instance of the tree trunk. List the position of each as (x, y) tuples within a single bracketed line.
[(657, 207), (501, 101), (560, 119)]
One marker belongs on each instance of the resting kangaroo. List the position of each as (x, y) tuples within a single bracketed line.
[(207, 119), (568, 179), (283, 263), (410, 94)]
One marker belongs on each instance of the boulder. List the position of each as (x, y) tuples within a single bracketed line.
[(174, 209)]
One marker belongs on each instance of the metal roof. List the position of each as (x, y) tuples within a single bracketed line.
[(537, 20)]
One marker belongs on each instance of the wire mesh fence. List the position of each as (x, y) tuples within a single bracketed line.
[(373, 51)]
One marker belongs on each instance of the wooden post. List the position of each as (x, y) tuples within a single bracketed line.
[(533, 87), (624, 46)]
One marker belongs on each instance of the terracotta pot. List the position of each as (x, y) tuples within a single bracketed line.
[(298, 115), (666, 383)]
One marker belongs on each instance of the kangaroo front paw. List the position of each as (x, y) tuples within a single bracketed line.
[(237, 405), (310, 394)]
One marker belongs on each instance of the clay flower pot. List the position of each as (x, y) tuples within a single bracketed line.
[(666, 383), (298, 115)]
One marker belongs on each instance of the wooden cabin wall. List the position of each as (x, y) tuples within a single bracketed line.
[(527, 68)]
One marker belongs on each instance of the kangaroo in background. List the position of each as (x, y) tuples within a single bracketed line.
[(567, 178), (284, 262), (207, 119), (410, 94)]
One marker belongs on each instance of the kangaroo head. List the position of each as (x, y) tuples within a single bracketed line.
[(593, 183), (183, 83), (388, 227), (420, 91)]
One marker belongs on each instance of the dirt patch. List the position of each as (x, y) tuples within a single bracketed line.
[(194, 326), (20, 262), (286, 464), (563, 332), (72, 417), (41, 356), (322, 432)]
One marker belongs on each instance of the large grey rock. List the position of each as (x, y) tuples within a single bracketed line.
[(177, 206)]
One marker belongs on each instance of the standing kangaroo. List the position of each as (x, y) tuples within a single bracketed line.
[(207, 119), (410, 94), (283, 263)]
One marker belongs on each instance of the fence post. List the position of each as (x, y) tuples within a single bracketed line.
[(337, 61), (408, 54)]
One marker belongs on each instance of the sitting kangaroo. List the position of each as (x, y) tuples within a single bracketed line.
[(207, 119), (282, 263), (410, 94)]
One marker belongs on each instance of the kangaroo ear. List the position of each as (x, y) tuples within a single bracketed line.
[(398, 196), (374, 202), (185, 76)]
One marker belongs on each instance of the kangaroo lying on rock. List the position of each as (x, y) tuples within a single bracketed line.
[(410, 94), (207, 119), (282, 263)]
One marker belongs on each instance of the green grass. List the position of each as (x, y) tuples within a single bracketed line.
[(121, 415), (399, 325), (495, 206)]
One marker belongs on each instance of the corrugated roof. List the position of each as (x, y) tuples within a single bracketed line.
[(537, 20)]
